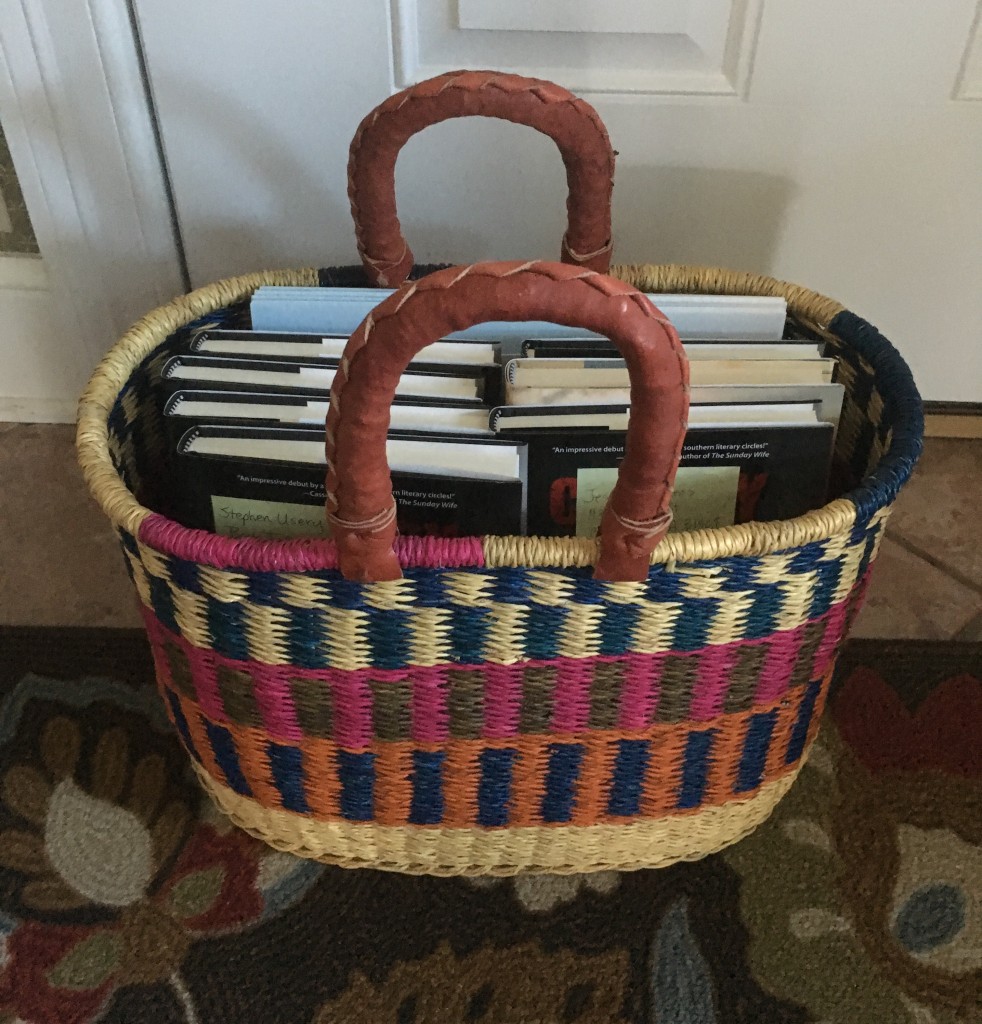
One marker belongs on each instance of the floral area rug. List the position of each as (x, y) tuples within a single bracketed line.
[(124, 897)]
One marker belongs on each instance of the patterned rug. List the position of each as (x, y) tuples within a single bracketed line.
[(124, 898)]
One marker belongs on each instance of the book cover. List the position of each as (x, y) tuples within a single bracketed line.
[(341, 310), (218, 373), (284, 346), (308, 410), (537, 374), (701, 348), (727, 475), (228, 492)]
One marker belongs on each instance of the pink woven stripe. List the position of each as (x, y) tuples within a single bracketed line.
[(275, 700), (833, 635), (709, 693), (781, 655), (303, 555), (641, 679), (202, 665), (352, 709), (571, 712), (431, 723), (639, 697), (502, 700)]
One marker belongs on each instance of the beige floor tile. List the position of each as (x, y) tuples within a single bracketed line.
[(941, 425), (972, 630), (939, 512), (910, 598), (60, 563)]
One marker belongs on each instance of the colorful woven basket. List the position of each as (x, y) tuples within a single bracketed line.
[(499, 704)]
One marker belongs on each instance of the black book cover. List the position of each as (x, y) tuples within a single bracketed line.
[(726, 476), (260, 497), (221, 373)]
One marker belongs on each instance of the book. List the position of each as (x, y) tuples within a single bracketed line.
[(339, 311), (315, 347), (536, 381), (184, 408), (727, 474), (508, 418), (269, 482), (585, 348), (230, 374)]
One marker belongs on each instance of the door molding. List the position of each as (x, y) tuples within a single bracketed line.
[(78, 121)]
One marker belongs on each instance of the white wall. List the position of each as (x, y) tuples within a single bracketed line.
[(837, 144)]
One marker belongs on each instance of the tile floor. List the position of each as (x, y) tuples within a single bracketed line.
[(59, 564)]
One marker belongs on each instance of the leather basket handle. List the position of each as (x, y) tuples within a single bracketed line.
[(360, 505), (572, 123)]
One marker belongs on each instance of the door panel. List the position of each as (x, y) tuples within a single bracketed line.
[(835, 144)]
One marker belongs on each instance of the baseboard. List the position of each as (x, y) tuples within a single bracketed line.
[(953, 408), (37, 410)]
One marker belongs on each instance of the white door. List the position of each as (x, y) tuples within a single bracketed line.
[(837, 144), (78, 123)]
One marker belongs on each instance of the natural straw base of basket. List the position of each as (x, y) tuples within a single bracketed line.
[(563, 849)]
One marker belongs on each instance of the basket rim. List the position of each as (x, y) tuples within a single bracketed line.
[(816, 311)]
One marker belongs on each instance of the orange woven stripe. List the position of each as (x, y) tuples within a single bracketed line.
[(780, 738), (819, 709), (251, 743), (528, 778), (460, 778), (461, 772), (196, 727), (321, 784), (662, 779), (725, 758), (592, 788), (393, 782)]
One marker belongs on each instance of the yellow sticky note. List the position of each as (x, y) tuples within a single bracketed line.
[(704, 497), (238, 517)]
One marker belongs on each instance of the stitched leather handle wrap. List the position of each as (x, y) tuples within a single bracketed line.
[(572, 123), (359, 488)]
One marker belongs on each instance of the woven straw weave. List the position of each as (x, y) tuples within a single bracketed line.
[(497, 709)]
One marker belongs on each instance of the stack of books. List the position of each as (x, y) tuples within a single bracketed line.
[(507, 428)]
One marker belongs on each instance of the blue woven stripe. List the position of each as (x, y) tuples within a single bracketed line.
[(494, 788), (357, 775), (902, 410), (227, 757), (627, 783), (306, 637), (286, 767), (800, 731), (227, 626), (264, 588), (389, 633), (695, 767), (162, 603), (426, 806), (755, 746), (182, 726), (560, 789), (185, 574), (468, 629), (693, 625), (543, 630), (617, 628)]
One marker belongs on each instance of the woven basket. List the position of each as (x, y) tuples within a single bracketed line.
[(493, 705)]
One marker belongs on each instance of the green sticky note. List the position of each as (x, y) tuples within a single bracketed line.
[(240, 517), (704, 497), (593, 487)]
